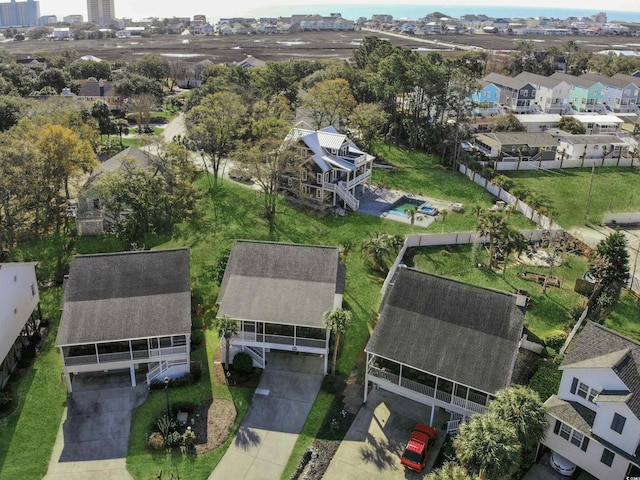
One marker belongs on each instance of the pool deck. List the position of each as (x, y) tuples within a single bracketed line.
[(377, 201)]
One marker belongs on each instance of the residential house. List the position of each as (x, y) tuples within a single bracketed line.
[(552, 94), (61, 33), (279, 293), (332, 170), (599, 124), (444, 343), (539, 122), (38, 63), (620, 94), (127, 311), (584, 95), (91, 216), (591, 147), (251, 61), (19, 314), (100, 91), (516, 145), (594, 420), (487, 100), (516, 95)]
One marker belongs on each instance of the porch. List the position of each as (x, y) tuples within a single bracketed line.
[(426, 388)]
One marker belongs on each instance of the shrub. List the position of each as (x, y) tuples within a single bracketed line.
[(555, 341), (197, 336), (166, 425), (242, 362), (5, 400), (156, 441), (174, 439), (546, 380)]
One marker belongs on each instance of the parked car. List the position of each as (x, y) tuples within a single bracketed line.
[(562, 465), (416, 452)]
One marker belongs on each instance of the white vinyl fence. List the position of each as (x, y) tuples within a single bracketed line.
[(504, 165)]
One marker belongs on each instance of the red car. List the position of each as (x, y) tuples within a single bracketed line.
[(417, 451)]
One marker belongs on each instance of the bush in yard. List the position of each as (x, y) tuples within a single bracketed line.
[(156, 441), (242, 362), (546, 380), (174, 439), (555, 341)]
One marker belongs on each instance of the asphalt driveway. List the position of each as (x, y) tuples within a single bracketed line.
[(374, 443), (270, 428), (94, 435)]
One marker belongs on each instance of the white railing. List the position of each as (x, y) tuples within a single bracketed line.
[(453, 426), (352, 202), (256, 356), (125, 356), (359, 179), (428, 391), (279, 339)]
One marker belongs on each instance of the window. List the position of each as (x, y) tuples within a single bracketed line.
[(319, 178), (618, 423), (571, 435), (607, 457), (304, 175), (593, 393), (525, 93), (583, 390)]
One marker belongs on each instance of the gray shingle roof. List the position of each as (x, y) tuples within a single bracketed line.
[(596, 341), (504, 81), (571, 413), (457, 331), (535, 79), (110, 297), (607, 81), (139, 157), (573, 80), (280, 283)]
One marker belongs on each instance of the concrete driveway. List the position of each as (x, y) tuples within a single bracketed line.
[(93, 437), (375, 441), (270, 428)]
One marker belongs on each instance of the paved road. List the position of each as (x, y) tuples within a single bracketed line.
[(270, 428)]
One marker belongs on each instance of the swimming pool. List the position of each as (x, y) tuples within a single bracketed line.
[(404, 203)]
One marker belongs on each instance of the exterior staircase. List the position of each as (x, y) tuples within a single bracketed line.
[(350, 200)]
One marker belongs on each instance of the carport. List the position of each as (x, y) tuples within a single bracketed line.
[(375, 441), (94, 434)]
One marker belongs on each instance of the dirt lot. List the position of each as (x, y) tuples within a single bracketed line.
[(283, 47)]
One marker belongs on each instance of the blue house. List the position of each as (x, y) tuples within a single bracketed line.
[(620, 94), (487, 97)]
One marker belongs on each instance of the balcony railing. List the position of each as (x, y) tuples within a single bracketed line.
[(428, 391), (125, 356), (279, 339)]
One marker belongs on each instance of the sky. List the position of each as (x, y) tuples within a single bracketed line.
[(187, 8)]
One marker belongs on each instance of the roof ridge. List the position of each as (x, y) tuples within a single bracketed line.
[(613, 332), (130, 252), (270, 242), (493, 290)]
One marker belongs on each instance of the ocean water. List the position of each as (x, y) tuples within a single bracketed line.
[(353, 12)]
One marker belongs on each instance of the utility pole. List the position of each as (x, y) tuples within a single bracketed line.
[(593, 167)]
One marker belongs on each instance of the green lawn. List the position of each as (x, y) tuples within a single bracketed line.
[(422, 174), (565, 192), (626, 317), (29, 433), (547, 314), (142, 462)]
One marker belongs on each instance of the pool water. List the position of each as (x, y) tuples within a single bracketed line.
[(399, 209)]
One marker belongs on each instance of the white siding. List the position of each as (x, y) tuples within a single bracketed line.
[(598, 378), (630, 436)]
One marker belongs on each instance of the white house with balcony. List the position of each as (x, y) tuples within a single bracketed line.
[(127, 311), (334, 171), (594, 420), (19, 313), (444, 343), (552, 95), (595, 124), (278, 293)]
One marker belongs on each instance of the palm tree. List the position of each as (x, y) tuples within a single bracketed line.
[(226, 327), (490, 225), (337, 321), (521, 407), (443, 214), (449, 471), (380, 247), (510, 239), (488, 446), (502, 182), (477, 210), (508, 210), (411, 212)]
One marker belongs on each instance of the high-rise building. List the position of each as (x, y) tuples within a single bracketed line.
[(73, 19), (19, 14), (101, 12)]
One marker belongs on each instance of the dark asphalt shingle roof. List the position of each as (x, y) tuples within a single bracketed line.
[(280, 283), (92, 89), (110, 297), (573, 80), (445, 327), (571, 413), (504, 81), (615, 351)]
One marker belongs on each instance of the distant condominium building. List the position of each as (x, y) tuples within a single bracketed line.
[(73, 19), (19, 14), (101, 12)]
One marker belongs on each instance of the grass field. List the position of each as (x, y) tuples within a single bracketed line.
[(423, 175), (548, 311), (566, 192)]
